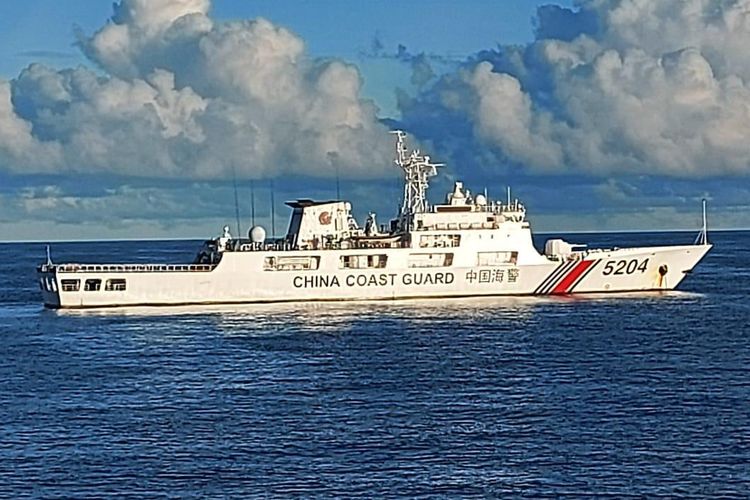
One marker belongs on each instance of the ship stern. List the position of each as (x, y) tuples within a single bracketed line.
[(47, 278)]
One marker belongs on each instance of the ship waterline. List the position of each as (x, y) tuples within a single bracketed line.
[(467, 246)]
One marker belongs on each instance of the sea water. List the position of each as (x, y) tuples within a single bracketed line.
[(634, 395)]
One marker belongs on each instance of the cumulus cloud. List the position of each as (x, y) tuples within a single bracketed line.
[(610, 87), (177, 94), (60, 207), (17, 140), (601, 114)]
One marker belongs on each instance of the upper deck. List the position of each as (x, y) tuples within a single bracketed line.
[(330, 225)]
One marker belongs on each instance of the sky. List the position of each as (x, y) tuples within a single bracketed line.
[(137, 119)]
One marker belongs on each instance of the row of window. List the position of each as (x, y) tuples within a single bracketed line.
[(94, 285), (379, 261), (305, 263)]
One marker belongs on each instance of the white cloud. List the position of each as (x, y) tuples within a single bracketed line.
[(615, 87), (18, 146), (503, 114), (199, 210), (59, 208), (626, 91), (182, 96), (144, 34)]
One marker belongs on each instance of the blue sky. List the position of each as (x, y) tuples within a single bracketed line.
[(129, 121), (42, 30), (335, 28)]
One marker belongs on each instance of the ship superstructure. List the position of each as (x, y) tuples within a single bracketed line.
[(468, 245)]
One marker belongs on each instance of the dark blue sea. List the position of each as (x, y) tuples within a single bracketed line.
[(631, 396)]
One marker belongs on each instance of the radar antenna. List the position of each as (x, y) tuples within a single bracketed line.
[(417, 171)]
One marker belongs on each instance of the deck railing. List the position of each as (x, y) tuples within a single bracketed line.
[(363, 243), (131, 268)]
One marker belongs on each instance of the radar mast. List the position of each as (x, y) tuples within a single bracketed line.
[(417, 171)]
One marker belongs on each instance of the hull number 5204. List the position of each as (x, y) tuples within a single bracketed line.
[(625, 267)]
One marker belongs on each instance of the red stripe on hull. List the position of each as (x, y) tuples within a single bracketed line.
[(567, 281)]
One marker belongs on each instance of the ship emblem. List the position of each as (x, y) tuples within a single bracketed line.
[(325, 218)]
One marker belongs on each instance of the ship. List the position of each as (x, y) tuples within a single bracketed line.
[(466, 246)]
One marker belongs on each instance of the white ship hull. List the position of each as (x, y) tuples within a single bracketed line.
[(468, 246), (240, 278)]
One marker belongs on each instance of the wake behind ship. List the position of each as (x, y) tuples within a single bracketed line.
[(466, 246)]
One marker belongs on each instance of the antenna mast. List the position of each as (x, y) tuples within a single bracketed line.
[(417, 171), (273, 213), (236, 203), (338, 185), (252, 201), (702, 238)]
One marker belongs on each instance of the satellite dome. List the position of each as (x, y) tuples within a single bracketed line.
[(480, 200), (257, 234)]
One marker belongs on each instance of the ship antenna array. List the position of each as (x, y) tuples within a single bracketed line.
[(417, 171), (236, 203)]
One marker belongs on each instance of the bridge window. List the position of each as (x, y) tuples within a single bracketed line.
[(377, 261), (115, 285), (92, 285), (70, 285)]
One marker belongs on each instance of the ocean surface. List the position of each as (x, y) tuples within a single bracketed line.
[(636, 395)]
